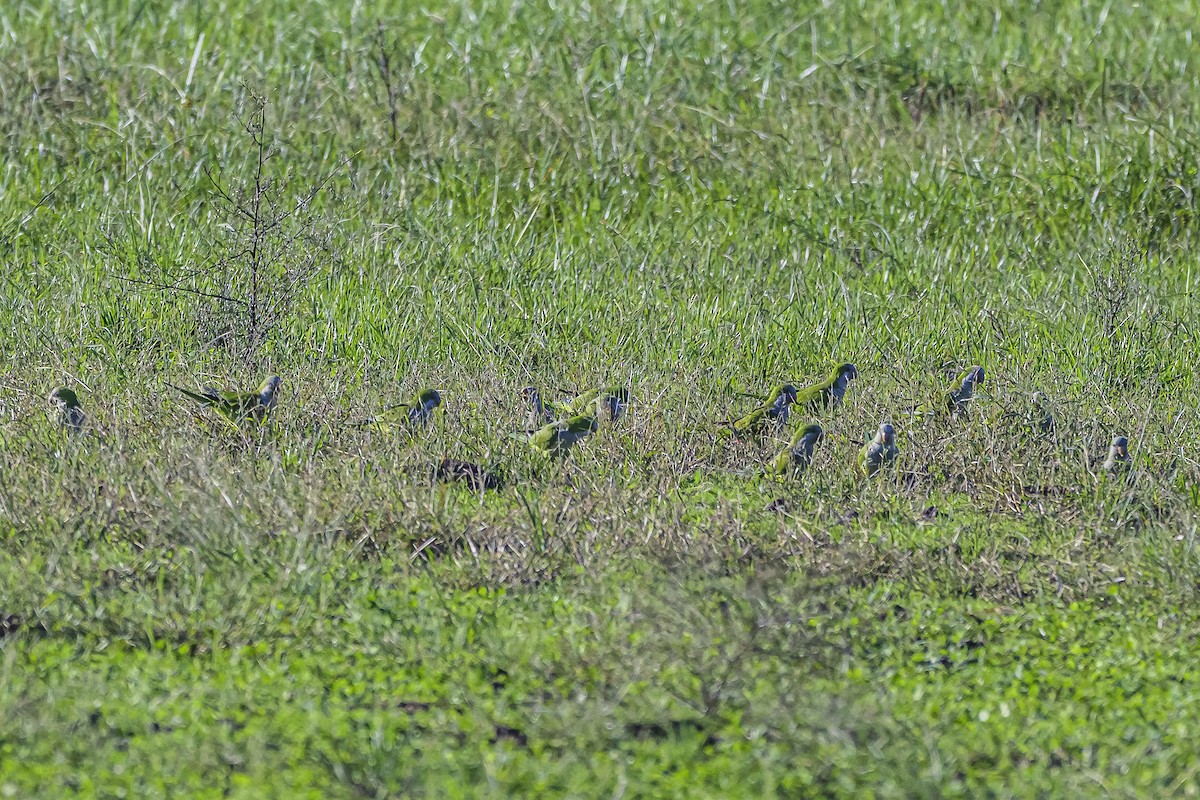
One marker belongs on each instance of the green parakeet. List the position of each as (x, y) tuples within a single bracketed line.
[(237, 407), (540, 413), (609, 403), (1118, 460), (421, 408), (771, 415), (829, 392), (71, 414), (406, 416), (879, 452), (559, 437), (959, 396), (798, 454), (612, 404)]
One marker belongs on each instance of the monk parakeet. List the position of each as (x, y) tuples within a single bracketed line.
[(771, 415), (71, 413), (829, 392), (452, 469), (1118, 460), (1043, 414), (557, 438), (406, 416), (421, 408), (540, 413), (960, 394), (612, 404), (236, 407), (879, 452), (798, 455), (609, 403)]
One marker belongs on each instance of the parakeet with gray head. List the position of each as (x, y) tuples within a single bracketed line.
[(612, 404), (540, 412), (559, 437), (609, 403), (1118, 460), (413, 415), (959, 395), (879, 452), (66, 402), (770, 416), (420, 409), (830, 392), (236, 407), (798, 455)]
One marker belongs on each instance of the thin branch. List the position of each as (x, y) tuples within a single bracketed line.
[(168, 287), (46, 197), (220, 190), (385, 72)]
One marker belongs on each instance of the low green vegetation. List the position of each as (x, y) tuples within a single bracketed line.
[(695, 202)]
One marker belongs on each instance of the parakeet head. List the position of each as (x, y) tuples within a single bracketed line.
[(847, 371), (430, 398), (887, 434), (614, 402), (63, 398), (269, 387), (813, 431)]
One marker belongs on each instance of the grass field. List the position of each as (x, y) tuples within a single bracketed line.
[(697, 200)]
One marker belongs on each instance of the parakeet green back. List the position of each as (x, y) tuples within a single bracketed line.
[(559, 437), (829, 392), (771, 415), (798, 455), (411, 416), (66, 402), (237, 407)]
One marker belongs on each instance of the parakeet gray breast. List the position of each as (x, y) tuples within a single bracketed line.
[(802, 452), (839, 387), (780, 410)]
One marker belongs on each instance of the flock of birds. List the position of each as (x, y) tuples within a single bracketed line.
[(555, 428)]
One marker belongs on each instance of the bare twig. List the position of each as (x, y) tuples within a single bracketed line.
[(173, 287), (273, 244), (385, 73)]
